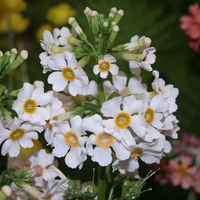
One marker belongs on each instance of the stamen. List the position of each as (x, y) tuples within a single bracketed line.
[(29, 106), (72, 139), (104, 66), (122, 120), (104, 140), (68, 73)]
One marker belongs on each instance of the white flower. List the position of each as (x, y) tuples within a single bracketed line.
[(49, 43), (103, 142), (148, 57), (168, 91), (120, 113), (106, 65), (148, 152), (40, 167), (68, 74), (52, 190), (123, 86), (64, 35), (150, 118), (30, 103), (69, 142), (50, 40), (55, 108), (18, 133)]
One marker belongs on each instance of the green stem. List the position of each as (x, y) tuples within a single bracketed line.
[(100, 45), (102, 183)]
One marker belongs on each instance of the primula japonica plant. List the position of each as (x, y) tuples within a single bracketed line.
[(93, 111)]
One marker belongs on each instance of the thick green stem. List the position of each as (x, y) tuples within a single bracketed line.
[(102, 183)]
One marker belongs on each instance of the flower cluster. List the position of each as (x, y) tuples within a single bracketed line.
[(191, 25), (181, 167), (93, 110)]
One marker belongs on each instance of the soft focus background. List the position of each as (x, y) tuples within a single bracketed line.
[(177, 63)]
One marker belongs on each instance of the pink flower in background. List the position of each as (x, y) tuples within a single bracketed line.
[(196, 182), (191, 25), (182, 173)]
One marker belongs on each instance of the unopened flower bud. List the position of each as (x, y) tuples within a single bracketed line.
[(94, 21), (118, 16), (6, 189), (72, 21), (113, 35), (145, 42), (127, 56), (91, 191), (112, 13)]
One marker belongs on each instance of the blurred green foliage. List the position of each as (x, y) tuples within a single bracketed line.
[(177, 63)]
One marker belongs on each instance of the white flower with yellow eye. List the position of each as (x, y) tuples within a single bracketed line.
[(68, 74), (18, 133), (106, 65), (120, 112), (69, 141), (150, 118), (103, 142), (30, 103), (148, 152)]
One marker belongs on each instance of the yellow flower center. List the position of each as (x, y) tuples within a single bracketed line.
[(68, 73), (104, 140), (136, 152), (149, 115), (17, 134), (104, 66), (72, 139), (30, 106), (122, 120)]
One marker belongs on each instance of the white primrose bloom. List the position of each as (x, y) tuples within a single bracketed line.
[(67, 75), (168, 91), (148, 57), (170, 127), (55, 108), (120, 112), (106, 65), (53, 190), (69, 141), (65, 33), (148, 152), (50, 41), (104, 142), (147, 122), (39, 165), (18, 133), (30, 104), (123, 86)]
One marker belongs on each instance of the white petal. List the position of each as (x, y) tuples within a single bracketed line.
[(10, 147), (102, 156), (71, 59), (121, 152), (57, 80), (111, 107)]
